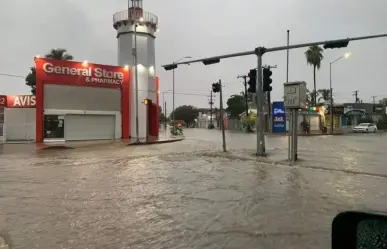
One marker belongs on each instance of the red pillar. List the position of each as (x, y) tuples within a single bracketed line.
[(125, 104), (157, 104), (39, 93)]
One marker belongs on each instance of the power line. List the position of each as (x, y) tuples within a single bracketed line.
[(12, 75)]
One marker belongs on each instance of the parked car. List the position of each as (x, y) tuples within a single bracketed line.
[(365, 127)]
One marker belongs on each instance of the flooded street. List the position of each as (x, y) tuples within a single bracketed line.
[(188, 194)]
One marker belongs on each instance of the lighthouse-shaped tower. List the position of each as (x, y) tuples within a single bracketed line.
[(136, 28)]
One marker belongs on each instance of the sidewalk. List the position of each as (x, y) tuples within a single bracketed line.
[(164, 137), (311, 133)]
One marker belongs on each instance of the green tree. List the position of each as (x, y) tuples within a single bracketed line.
[(187, 113), (58, 54), (314, 56), (310, 97), (31, 80), (325, 95), (235, 106)]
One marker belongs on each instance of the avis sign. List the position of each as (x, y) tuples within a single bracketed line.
[(279, 117), (21, 101)]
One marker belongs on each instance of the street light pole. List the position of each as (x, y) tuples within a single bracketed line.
[(346, 55), (165, 107), (173, 86), (136, 82), (173, 95)]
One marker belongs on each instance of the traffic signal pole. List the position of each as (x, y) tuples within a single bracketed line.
[(259, 52), (260, 122), (217, 88), (221, 116)]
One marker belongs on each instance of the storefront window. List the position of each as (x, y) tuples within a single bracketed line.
[(53, 126)]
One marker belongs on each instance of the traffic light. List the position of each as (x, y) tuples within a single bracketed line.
[(252, 81), (216, 87), (337, 44), (267, 80), (211, 61)]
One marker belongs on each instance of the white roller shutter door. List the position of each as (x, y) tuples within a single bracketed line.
[(314, 123), (19, 124), (89, 127)]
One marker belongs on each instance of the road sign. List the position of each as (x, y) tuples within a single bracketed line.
[(295, 94)]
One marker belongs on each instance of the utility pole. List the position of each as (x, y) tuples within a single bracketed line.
[(165, 115), (244, 77), (373, 99), (356, 93), (211, 102), (290, 112), (221, 115), (217, 88)]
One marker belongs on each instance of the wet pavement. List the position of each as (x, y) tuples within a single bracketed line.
[(188, 194)]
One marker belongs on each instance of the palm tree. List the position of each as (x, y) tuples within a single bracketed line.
[(58, 54), (311, 97), (325, 95), (314, 56)]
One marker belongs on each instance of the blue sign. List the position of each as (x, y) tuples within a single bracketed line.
[(279, 117)]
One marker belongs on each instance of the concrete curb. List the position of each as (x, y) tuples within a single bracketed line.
[(157, 142), (56, 147), (305, 135)]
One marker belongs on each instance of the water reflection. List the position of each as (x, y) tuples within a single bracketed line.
[(185, 195)]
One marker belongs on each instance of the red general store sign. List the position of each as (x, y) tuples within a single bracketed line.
[(80, 73)]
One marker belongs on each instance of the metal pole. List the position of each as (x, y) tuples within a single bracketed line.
[(331, 96), (294, 135), (136, 78), (287, 57), (165, 115), (260, 104), (246, 106), (211, 102), (173, 94), (221, 116), (290, 116), (269, 112)]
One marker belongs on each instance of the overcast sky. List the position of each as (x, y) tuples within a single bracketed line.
[(204, 28)]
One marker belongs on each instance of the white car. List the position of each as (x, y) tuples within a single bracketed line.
[(365, 127)]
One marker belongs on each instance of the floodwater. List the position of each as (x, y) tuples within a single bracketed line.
[(188, 194)]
